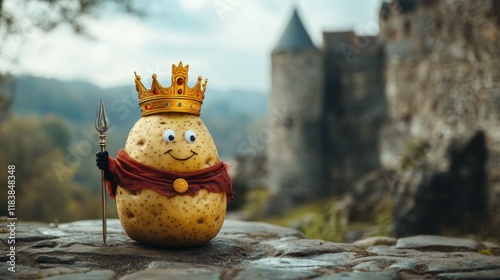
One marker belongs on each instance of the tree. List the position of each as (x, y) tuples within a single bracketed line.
[(6, 94), (20, 18), (40, 195), (46, 15), (58, 131), (35, 145)]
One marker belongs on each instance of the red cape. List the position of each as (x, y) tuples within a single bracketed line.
[(134, 176)]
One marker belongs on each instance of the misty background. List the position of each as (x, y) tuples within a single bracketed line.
[(58, 58)]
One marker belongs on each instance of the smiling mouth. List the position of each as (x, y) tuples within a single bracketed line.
[(181, 159)]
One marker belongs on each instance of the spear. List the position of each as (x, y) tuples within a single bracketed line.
[(102, 125)]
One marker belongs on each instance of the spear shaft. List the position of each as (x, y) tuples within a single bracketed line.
[(102, 144), (102, 125)]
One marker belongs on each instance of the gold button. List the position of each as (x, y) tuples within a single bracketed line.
[(180, 185)]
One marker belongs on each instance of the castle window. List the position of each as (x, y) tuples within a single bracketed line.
[(407, 27)]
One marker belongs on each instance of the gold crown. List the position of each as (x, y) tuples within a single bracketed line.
[(176, 98)]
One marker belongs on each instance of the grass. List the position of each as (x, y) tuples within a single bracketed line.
[(326, 220), (487, 252), (255, 201)]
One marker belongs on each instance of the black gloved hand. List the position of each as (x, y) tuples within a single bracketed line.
[(102, 160)]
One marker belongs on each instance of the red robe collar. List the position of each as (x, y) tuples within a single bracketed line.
[(134, 176)]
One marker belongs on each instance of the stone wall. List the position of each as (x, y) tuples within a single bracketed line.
[(421, 101), (443, 94), (355, 106), (294, 151), (327, 107)]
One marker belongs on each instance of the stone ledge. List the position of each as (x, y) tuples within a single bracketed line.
[(242, 250)]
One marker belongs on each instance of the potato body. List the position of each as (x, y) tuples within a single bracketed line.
[(183, 220)]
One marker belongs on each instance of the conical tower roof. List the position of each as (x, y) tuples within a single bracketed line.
[(295, 36)]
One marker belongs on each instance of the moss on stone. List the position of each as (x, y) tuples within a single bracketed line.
[(255, 201), (327, 221), (414, 154)]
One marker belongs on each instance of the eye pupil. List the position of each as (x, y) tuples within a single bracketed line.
[(190, 136), (169, 135)]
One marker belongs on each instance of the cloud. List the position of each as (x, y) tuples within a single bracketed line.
[(232, 51), (194, 5)]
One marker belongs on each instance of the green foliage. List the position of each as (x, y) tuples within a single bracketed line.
[(327, 221), (255, 201), (40, 194), (58, 131), (414, 154), (45, 16), (486, 251)]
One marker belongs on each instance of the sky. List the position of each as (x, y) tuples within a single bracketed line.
[(227, 41)]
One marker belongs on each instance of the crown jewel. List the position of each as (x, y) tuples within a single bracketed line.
[(179, 97)]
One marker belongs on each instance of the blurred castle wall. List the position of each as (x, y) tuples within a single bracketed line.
[(420, 104), (443, 90), (355, 106), (294, 154), (326, 108)]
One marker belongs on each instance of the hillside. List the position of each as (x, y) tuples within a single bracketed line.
[(231, 116), (51, 140)]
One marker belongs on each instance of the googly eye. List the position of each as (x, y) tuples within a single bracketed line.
[(190, 136), (169, 135)]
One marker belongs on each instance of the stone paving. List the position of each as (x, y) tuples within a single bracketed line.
[(242, 250)]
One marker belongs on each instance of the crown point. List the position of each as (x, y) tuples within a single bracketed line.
[(179, 97), (138, 84)]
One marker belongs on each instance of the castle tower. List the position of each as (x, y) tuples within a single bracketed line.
[(294, 155)]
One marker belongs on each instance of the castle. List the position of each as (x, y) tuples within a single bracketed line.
[(326, 107), (418, 104)]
